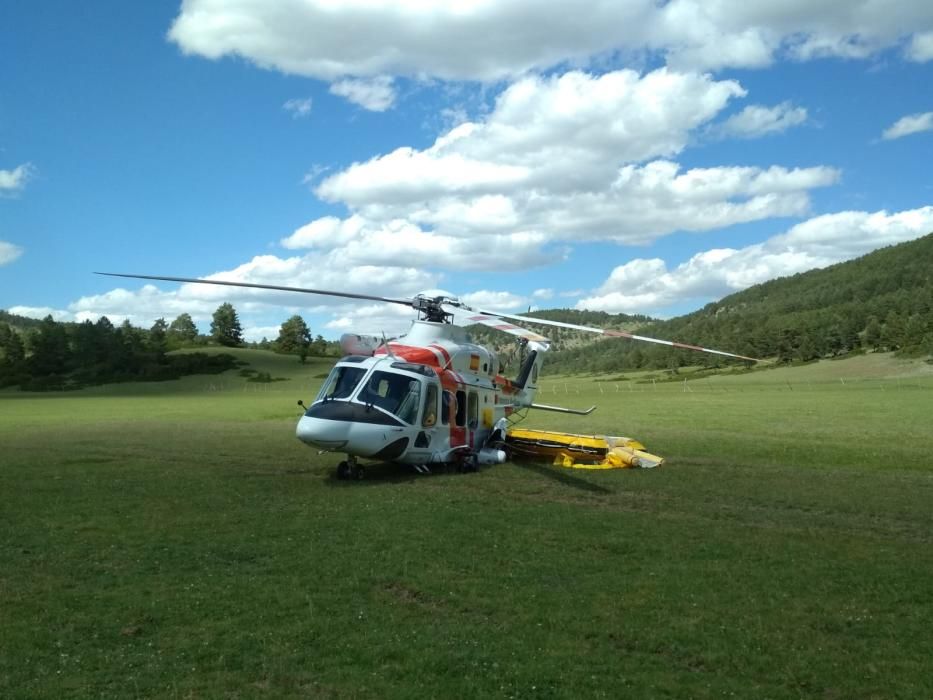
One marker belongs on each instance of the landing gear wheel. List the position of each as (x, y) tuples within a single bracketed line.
[(469, 464), (343, 471), (357, 472)]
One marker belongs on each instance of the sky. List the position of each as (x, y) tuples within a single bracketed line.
[(632, 156)]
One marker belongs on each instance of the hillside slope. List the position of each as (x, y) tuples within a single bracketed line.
[(881, 301), (560, 338)]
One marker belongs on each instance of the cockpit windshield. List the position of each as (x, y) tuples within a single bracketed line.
[(340, 383), (396, 393)]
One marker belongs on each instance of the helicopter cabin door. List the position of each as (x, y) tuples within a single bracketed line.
[(424, 438), (466, 417)]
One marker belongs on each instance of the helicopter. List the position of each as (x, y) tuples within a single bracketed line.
[(430, 397)]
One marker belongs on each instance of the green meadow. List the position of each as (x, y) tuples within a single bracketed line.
[(175, 540)]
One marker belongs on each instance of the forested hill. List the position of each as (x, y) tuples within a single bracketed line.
[(19, 322), (881, 301)]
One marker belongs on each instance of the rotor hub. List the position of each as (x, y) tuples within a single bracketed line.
[(431, 308)]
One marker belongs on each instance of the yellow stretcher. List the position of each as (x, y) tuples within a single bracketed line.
[(580, 451)]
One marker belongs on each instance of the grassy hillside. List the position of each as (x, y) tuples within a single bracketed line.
[(560, 338)]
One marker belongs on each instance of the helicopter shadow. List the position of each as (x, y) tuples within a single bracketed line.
[(384, 473), (393, 473), (562, 477)]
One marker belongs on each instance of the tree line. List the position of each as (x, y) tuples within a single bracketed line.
[(50, 355)]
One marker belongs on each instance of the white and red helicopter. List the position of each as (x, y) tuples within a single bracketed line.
[(431, 396)]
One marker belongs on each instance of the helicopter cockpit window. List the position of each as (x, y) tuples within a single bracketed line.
[(340, 383), (396, 393)]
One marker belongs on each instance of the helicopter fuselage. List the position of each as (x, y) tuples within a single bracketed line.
[(429, 397)]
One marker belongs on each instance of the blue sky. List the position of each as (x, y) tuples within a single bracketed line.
[(624, 156)]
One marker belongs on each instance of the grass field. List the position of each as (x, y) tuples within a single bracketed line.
[(175, 540)]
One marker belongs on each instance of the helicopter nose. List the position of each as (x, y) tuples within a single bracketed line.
[(323, 433)]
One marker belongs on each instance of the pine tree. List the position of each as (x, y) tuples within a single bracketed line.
[(182, 330), (50, 351), (295, 336), (225, 328), (872, 333), (12, 345), (157, 338)]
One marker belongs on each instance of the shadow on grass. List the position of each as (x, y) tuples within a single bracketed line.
[(376, 473), (393, 473), (561, 476)]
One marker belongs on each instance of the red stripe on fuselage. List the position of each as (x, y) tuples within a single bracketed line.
[(412, 353), (442, 351), (506, 384)]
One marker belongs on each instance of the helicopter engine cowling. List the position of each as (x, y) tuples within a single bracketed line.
[(365, 345)]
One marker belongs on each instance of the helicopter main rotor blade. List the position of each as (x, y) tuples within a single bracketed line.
[(272, 287), (611, 333)]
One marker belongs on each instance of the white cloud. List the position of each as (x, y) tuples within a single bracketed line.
[(738, 33), (314, 172), (495, 301), (649, 286), (356, 241), (549, 166), (911, 124), (758, 120), (920, 48), (555, 161), (254, 334), (298, 107), (490, 41), (41, 312), (371, 319), (375, 94), (542, 293), (143, 304), (366, 38), (13, 181), (326, 232), (9, 252)]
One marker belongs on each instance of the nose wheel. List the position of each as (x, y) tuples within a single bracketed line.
[(350, 469), (468, 464)]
